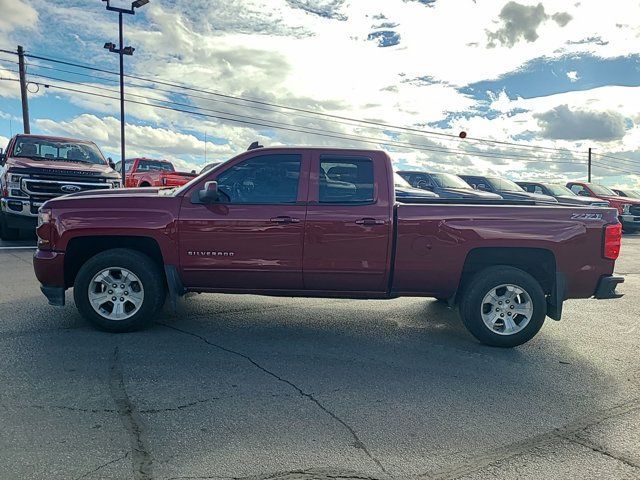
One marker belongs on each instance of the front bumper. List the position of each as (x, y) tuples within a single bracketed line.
[(49, 270), (20, 207), (607, 287)]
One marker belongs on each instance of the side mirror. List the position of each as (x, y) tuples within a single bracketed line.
[(3, 158), (111, 163), (483, 187), (210, 193)]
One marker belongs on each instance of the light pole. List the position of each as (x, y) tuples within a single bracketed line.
[(122, 51)]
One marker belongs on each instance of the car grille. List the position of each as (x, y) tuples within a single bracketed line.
[(49, 188), (634, 210)]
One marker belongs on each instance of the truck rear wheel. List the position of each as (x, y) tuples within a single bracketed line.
[(119, 290), (503, 306)]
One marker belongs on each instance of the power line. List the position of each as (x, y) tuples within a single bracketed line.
[(624, 160), (275, 124), (609, 167), (301, 110), (350, 137)]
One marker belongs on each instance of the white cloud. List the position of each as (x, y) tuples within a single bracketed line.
[(573, 76), (16, 14)]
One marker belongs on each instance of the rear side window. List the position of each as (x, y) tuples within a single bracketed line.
[(265, 179), (153, 166), (346, 180)]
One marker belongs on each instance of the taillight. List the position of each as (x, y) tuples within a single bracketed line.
[(612, 241)]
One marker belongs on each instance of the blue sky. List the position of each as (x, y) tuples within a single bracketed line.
[(547, 75)]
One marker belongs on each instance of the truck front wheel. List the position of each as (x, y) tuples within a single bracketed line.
[(503, 306), (119, 290)]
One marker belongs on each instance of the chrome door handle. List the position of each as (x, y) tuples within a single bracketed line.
[(369, 221), (285, 220)]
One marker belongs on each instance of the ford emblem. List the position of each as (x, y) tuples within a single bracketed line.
[(70, 188)]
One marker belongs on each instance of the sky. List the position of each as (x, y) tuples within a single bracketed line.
[(534, 85)]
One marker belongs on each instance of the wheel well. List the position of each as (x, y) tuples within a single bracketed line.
[(81, 249), (537, 262), (145, 184)]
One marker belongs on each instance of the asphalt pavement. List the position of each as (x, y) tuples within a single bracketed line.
[(279, 388)]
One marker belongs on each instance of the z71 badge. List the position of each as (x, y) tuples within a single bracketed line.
[(586, 216)]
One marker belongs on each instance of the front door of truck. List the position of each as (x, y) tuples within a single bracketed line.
[(252, 238), (348, 232)]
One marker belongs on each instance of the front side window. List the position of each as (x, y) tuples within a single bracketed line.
[(578, 190), (346, 180), (266, 179)]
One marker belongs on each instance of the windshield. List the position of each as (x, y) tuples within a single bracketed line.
[(601, 190), (398, 181), (632, 193), (559, 190), (57, 150), (447, 180), (503, 185)]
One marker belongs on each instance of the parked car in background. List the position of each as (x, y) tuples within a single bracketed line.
[(274, 221), (627, 193), (404, 191), (446, 185), (147, 172), (562, 194), (505, 188), (209, 166), (628, 208), (37, 168)]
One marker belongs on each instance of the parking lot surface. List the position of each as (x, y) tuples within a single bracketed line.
[(278, 388)]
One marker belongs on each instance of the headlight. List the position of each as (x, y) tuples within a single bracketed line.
[(14, 185), (44, 216), (625, 208)]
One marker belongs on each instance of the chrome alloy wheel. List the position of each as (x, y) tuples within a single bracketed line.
[(116, 293), (506, 309)]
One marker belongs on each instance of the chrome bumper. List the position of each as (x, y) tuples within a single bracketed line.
[(18, 206)]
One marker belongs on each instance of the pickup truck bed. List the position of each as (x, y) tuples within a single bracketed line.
[(280, 221)]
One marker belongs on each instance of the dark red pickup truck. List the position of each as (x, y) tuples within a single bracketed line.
[(274, 221)]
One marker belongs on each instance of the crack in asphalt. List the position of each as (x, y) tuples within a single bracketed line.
[(141, 459), (61, 407), (357, 442), (180, 407), (100, 467), (578, 441), (567, 432), (307, 474)]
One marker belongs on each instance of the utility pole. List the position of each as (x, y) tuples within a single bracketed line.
[(23, 90), (121, 50), (589, 174)]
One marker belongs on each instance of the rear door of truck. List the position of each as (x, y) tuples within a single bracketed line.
[(349, 224)]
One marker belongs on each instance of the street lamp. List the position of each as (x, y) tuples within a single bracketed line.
[(121, 50)]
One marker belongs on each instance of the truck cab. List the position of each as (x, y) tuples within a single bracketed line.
[(37, 168)]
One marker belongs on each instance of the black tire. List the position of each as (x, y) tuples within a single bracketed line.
[(471, 305), (145, 269), (7, 233)]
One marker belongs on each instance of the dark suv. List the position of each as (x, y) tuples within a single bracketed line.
[(446, 185), (506, 188), (562, 194)]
